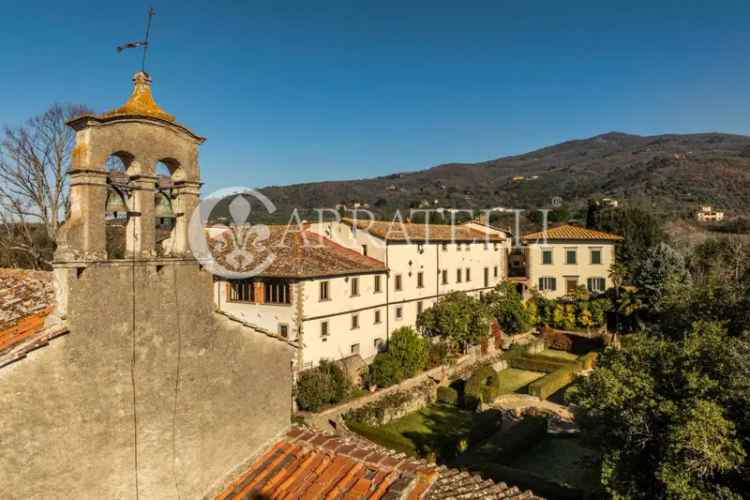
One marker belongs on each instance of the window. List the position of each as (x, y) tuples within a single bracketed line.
[(277, 292), (486, 277), (355, 287), (307, 364), (284, 330), (420, 248), (355, 321), (596, 284), (547, 256), (376, 285), (399, 312), (241, 291), (324, 329), (468, 274), (445, 276), (445, 247), (596, 255), (570, 256), (364, 250), (458, 276), (494, 272), (377, 317), (379, 344), (420, 307), (324, 291), (355, 349), (397, 283), (547, 283), (420, 279), (495, 246)]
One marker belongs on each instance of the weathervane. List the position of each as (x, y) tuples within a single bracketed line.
[(141, 43)]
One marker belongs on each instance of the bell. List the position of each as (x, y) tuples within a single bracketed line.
[(163, 207), (115, 203)]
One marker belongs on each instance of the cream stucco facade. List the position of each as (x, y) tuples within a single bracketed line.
[(552, 263)]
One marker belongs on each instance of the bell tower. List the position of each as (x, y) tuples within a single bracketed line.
[(140, 135)]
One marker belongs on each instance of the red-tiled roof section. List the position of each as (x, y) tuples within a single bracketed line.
[(291, 253), (309, 465), (26, 299), (409, 231), (572, 232)]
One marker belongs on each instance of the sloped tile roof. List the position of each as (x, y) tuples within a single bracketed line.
[(26, 300), (571, 232), (409, 231), (292, 253), (306, 464)]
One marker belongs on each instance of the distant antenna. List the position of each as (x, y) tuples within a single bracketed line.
[(141, 43)]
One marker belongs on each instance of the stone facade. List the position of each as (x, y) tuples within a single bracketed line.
[(151, 394)]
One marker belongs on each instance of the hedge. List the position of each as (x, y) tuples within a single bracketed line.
[(588, 361), (537, 364), (546, 386), (447, 395), (558, 341), (482, 386)]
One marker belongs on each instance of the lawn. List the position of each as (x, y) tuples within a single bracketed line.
[(561, 459), (557, 355), (436, 429), (513, 380)]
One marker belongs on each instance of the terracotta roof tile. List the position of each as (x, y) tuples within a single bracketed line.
[(408, 231), (311, 465), (291, 253), (571, 232), (26, 301)]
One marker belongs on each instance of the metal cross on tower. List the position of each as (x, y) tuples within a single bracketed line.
[(141, 43)]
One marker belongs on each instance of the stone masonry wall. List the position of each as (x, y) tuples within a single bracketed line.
[(150, 388)]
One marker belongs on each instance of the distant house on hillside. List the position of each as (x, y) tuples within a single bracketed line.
[(707, 214)]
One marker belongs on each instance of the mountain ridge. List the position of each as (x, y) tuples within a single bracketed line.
[(671, 173)]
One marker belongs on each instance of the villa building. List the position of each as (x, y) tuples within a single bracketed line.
[(558, 261), (339, 288), (709, 214)]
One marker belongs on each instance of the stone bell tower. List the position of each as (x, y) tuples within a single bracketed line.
[(140, 134), (151, 395)]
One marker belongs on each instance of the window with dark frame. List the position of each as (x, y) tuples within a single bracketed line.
[(420, 279), (376, 284), (420, 307), (596, 256), (355, 321), (399, 312), (397, 283), (570, 256), (284, 330), (445, 277), (241, 291), (377, 317), (458, 275), (468, 274), (324, 329), (354, 284), (324, 291), (547, 283), (596, 284), (354, 349), (277, 292), (547, 256)]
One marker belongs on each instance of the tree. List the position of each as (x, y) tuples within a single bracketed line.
[(457, 318), (409, 349), (641, 230), (671, 417), (34, 159), (662, 278), (506, 305), (326, 384), (384, 371)]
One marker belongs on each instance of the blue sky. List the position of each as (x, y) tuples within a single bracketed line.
[(292, 92)]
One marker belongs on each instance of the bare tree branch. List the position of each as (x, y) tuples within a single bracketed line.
[(34, 159)]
